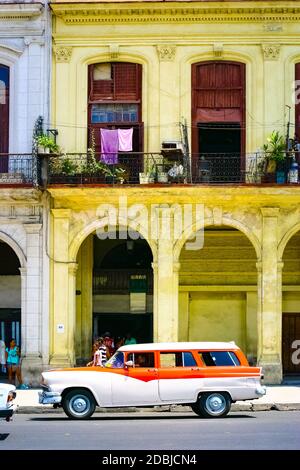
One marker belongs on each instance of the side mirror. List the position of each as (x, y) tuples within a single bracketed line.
[(128, 364)]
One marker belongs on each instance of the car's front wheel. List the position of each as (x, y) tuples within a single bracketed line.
[(212, 405), (79, 404)]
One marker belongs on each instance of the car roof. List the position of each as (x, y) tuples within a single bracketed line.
[(180, 346)]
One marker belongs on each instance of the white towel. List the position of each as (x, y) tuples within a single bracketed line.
[(125, 139)]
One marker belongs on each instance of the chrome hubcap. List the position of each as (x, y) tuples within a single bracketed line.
[(215, 403), (79, 404)]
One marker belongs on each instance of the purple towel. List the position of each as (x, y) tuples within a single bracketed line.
[(109, 146)]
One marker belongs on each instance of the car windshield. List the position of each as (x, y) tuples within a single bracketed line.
[(116, 361)]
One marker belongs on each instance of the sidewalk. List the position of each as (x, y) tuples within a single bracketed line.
[(278, 397)]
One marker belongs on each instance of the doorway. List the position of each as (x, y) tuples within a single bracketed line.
[(291, 343), (220, 149), (119, 324)]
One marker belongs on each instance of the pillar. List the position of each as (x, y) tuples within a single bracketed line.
[(165, 282), (269, 300), (183, 316), (31, 315), (62, 308)]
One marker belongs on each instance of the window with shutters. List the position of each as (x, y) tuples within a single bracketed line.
[(4, 116), (115, 101)]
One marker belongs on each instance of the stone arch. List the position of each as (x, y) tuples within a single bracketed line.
[(15, 247), (90, 228), (286, 238), (209, 222)]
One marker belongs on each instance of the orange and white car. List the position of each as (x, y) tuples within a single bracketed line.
[(206, 376)]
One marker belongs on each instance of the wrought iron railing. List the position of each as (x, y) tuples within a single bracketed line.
[(17, 169), (122, 281), (145, 168)]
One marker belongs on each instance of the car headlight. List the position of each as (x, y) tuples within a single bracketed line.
[(11, 395)]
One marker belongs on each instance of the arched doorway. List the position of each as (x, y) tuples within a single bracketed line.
[(4, 117), (291, 307), (218, 120), (218, 290), (10, 296), (114, 290)]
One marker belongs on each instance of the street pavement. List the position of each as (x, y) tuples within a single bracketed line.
[(278, 397), (152, 431)]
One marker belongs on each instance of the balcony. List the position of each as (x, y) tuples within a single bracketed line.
[(17, 169), (154, 168)]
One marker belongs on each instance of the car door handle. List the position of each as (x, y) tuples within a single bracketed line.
[(195, 368)]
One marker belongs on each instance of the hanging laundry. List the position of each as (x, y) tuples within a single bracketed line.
[(109, 146), (125, 140)]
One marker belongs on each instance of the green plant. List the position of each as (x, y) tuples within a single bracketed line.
[(45, 141), (275, 147)]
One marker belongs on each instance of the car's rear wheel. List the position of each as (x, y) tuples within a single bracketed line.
[(79, 404), (212, 405)]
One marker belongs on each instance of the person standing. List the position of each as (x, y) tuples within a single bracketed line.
[(129, 339), (101, 355), (13, 363)]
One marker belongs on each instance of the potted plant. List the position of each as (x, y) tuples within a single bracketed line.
[(274, 155), (149, 176), (46, 144)]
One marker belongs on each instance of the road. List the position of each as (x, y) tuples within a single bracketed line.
[(153, 431)]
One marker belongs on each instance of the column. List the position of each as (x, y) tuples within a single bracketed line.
[(165, 282), (84, 300), (71, 324), (269, 300), (31, 330), (169, 87), (61, 325)]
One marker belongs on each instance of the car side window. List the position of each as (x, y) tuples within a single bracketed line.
[(141, 359), (177, 359), (219, 358)]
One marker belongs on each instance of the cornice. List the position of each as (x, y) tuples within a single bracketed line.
[(175, 12), (20, 11)]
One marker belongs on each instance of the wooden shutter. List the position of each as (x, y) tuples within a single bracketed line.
[(297, 103), (123, 85)]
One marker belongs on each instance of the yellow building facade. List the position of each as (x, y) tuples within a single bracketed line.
[(244, 281)]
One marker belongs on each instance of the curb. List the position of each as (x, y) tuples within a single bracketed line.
[(167, 409)]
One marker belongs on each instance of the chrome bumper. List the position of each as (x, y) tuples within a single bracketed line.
[(261, 390), (49, 398), (8, 412)]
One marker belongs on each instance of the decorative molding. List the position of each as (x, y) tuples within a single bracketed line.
[(11, 46), (271, 51), (20, 11), (181, 13), (114, 51), (218, 49), (273, 28), (270, 211), (63, 53), (166, 52), (34, 40)]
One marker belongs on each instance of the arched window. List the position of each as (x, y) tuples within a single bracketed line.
[(115, 102), (4, 116)]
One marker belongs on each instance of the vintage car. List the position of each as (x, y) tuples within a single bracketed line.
[(206, 376), (7, 406)]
